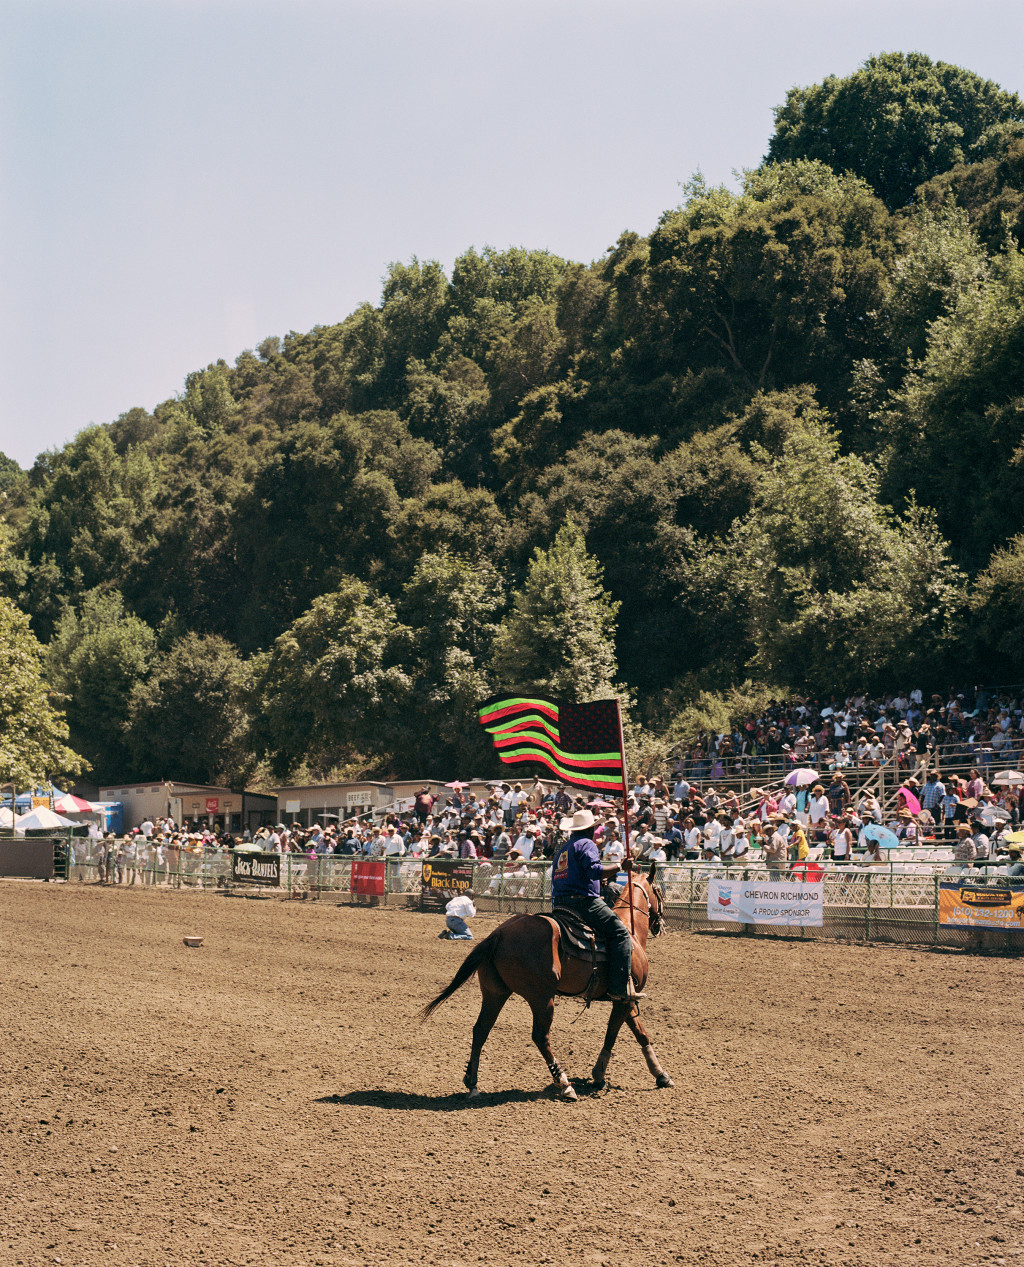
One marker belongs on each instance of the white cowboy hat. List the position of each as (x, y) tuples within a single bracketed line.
[(581, 819)]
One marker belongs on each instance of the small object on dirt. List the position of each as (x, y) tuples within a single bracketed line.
[(193, 941)]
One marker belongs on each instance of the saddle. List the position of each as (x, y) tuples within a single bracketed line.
[(577, 940)]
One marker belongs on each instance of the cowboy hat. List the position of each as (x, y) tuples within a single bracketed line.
[(582, 819)]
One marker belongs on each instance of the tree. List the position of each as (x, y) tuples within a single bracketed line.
[(560, 633), (953, 433), (332, 687), (897, 121), (97, 658), (834, 588), (189, 719), (451, 607), (997, 601), (33, 730)]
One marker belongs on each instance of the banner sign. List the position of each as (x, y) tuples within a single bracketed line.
[(355, 799), (40, 802), (212, 804), (442, 879), (293, 807), (966, 905), (368, 877), (256, 868), (786, 903)]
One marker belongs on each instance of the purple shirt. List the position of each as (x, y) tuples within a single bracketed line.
[(577, 870)]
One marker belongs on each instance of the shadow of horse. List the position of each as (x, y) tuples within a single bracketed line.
[(411, 1101)]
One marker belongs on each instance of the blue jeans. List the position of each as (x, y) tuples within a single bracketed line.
[(458, 929), (599, 916)]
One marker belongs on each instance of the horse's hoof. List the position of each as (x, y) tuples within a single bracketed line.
[(568, 1093), (663, 1080), (472, 1093), (598, 1084)]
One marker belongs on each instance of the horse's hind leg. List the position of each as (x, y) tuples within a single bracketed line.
[(495, 996), (543, 1014), (661, 1078)]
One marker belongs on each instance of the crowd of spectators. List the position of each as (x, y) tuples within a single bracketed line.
[(694, 816), (976, 724)]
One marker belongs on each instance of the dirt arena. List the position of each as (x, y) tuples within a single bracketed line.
[(271, 1098)]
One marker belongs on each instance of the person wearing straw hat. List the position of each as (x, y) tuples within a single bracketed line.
[(576, 876)]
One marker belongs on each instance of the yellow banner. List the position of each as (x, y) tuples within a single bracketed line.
[(40, 802), (966, 905)]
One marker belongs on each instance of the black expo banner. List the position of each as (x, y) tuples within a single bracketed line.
[(442, 879), (256, 868)]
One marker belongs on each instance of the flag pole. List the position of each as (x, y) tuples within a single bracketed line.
[(625, 820)]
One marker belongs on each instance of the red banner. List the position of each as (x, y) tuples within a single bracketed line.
[(212, 804), (368, 877)]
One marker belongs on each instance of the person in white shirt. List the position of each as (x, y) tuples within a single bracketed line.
[(818, 806), (394, 845), (787, 805), (147, 826), (614, 850), (457, 911), (657, 853), (526, 842)]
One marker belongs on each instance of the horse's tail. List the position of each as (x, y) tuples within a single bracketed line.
[(481, 954)]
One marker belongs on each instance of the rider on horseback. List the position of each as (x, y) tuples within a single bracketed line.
[(576, 883)]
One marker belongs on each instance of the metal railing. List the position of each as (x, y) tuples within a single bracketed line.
[(895, 902)]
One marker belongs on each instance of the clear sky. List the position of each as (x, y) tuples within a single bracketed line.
[(182, 178)]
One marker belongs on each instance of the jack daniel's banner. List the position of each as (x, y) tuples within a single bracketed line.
[(256, 868)]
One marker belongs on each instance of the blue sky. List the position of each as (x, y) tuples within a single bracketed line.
[(182, 178)]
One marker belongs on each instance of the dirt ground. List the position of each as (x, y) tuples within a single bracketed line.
[(272, 1098)]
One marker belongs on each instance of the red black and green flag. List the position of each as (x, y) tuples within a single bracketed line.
[(580, 743)]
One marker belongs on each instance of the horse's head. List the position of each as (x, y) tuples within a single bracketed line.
[(655, 902)]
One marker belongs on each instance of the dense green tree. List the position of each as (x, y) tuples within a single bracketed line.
[(897, 121), (189, 719), (990, 192), (97, 658), (831, 586), (997, 604), (954, 431), (452, 607), (560, 632), (333, 685), (33, 730)]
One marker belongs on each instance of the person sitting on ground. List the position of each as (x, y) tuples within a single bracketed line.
[(456, 912)]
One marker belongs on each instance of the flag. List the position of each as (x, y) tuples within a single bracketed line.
[(580, 743)]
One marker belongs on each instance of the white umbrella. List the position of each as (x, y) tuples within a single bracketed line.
[(802, 777), (41, 819), (1011, 777), (6, 817)]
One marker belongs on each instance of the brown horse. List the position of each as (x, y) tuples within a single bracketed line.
[(522, 957)]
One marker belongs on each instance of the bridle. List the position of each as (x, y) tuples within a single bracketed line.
[(655, 919)]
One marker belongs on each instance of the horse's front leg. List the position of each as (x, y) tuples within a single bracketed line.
[(661, 1078), (597, 1074), (543, 1015)]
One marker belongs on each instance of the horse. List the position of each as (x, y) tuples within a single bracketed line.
[(522, 957)]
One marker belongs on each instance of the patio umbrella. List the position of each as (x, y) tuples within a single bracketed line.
[(69, 804), (6, 817), (457, 785), (801, 777), (1010, 777), (886, 838)]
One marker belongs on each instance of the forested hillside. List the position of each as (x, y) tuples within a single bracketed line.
[(778, 437)]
